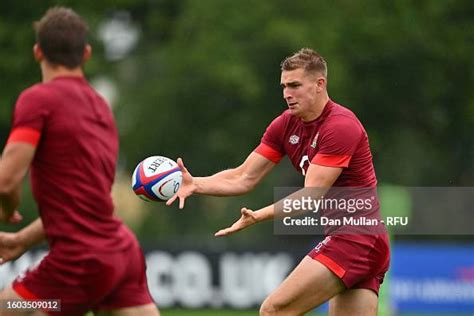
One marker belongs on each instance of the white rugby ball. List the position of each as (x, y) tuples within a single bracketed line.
[(156, 178)]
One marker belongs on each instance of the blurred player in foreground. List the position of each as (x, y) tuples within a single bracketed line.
[(329, 146), (66, 133)]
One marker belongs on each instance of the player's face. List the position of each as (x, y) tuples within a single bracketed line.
[(300, 91)]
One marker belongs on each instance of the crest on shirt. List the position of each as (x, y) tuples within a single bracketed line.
[(315, 140), (322, 244), (294, 139)]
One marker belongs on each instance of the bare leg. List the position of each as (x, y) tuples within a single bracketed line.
[(8, 294), (308, 286), (356, 302), (143, 310)]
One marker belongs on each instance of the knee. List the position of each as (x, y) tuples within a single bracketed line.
[(266, 309), (7, 293), (270, 307)]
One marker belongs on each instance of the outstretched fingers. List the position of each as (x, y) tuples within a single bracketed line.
[(181, 165), (184, 190), (227, 231), (246, 219), (181, 202), (184, 171), (172, 199)]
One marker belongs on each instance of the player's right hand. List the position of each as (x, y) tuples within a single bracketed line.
[(11, 247), (187, 188)]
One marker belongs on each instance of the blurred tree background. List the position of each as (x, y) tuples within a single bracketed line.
[(200, 80)]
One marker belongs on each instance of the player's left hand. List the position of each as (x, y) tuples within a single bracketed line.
[(247, 219), (15, 218)]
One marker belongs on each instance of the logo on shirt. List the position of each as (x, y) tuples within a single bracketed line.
[(294, 139), (315, 140), (322, 244)]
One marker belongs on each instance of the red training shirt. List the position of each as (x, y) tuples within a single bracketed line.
[(73, 169), (335, 139)]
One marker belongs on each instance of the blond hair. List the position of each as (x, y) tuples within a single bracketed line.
[(307, 59)]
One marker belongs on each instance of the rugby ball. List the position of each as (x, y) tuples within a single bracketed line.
[(156, 178)]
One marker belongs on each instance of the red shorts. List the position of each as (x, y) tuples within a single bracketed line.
[(97, 281), (360, 261)]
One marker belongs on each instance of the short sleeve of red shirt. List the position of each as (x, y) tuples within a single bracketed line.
[(29, 117), (271, 145), (338, 141)]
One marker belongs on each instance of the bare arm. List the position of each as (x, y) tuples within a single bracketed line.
[(229, 182), (235, 181), (13, 245), (33, 234), (16, 160), (318, 177)]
